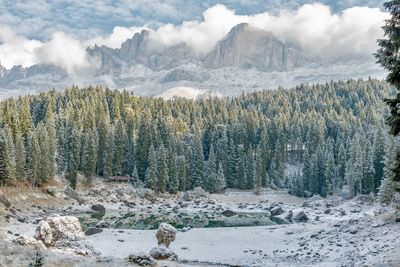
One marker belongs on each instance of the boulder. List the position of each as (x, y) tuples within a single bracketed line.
[(162, 253), (299, 216), (58, 228), (98, 208), (276, 210), (166, 234), (103, 224), (196, 193), (51, 190), (289, 216), (93, 231), (74, 195), (228, 213), (44, 233), (142, 259), (4, 200), (28, 241)]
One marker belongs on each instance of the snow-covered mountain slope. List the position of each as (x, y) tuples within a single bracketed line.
[(247, 59)]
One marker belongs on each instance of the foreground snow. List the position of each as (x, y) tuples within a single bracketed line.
[(339, 232)]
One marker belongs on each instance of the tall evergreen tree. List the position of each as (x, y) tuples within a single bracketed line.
[(388, 57)]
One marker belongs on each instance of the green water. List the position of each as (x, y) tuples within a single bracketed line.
[(150, 221)]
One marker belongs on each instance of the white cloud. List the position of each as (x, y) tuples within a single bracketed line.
[(64, 51), (117, 37), (313, 26), (16, 50)]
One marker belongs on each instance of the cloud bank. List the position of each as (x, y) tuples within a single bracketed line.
[(314, 27)]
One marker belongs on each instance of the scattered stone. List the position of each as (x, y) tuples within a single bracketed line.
[(162, 253), (142, 259), (103, 224), (166, 234), (228, 213), (98, 208), (277, 210), (4, 200), (289, 216), (51, 190), (299, 216), (74, 195), (196, 193), (28, 241), (93, 231)]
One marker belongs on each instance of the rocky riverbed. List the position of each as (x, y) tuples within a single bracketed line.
[(232, 229)]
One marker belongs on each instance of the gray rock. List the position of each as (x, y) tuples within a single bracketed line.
[(142, 259), (74, 195), (162, 253), (299, 216), (228, 213), (51, 190), (103, 224), (4, 200), (276, 210), (98, 208), (58, 228), (93, 231), (166, 234), (44, 233)]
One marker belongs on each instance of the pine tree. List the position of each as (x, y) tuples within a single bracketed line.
[(10, 147), (181, 173), (20, 157), (387, 189), (89, 155), (118, 148), (108, 155), (211, 171), (4, 170), (152, 172), (196, 163), (220, 181), (135, 176), (73, 157), (388, 57), (32, 159), (162, 170), (258, 173), (45, 165)]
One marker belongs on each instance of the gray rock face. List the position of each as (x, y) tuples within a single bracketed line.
[(93, 231), (142, 259), (162, 253), (58, 228), (247, 46), (166, 234)]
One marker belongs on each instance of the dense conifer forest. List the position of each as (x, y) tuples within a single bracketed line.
[(314, 139)]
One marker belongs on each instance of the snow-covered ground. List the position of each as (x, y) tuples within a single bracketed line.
[(358, 232)]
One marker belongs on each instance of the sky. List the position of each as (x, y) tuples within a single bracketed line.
[(58, 32)]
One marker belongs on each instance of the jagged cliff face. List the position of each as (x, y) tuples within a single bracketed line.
[(247, 59), (246, 46)]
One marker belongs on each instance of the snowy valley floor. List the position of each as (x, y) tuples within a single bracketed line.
[(338, 232)]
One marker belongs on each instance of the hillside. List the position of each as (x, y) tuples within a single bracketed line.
[(310, 139)]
